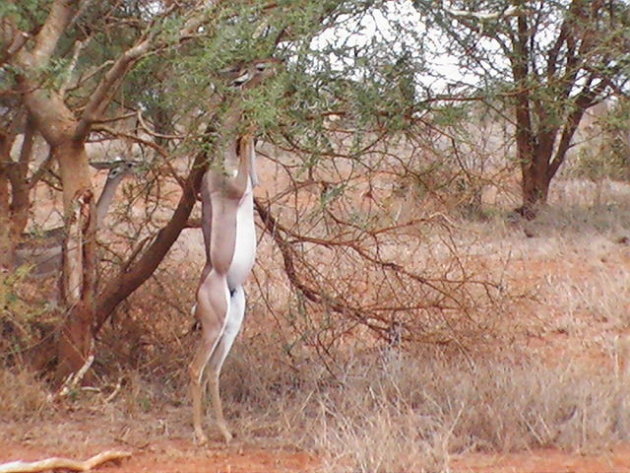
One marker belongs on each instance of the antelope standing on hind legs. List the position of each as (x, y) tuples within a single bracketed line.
[(230, 242), (43, 251)]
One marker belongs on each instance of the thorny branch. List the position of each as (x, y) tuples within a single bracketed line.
[(441, 296)]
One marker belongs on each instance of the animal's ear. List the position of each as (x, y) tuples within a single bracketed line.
[(241, 79), (107, 164), (101, 164)]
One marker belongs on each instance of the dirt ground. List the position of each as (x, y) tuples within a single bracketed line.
[(181, 456), (172, 456)]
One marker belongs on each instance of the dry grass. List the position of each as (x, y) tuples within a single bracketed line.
[(393, 412), (544, 368), (383, 412), (22, 395)]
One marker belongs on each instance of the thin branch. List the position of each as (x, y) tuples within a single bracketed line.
[(307, 291), (83, 5), (78, 46), (98, 99), (145, 127), (18, 42), (484, 15), (583, 101), (90, 73), (41, 171)]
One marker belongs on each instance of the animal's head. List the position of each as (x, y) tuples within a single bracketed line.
[(119, 168), (249, 76)]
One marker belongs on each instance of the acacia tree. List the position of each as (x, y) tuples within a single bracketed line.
[(59, 93), (153, 73), (550, 60), (75, 71), (63, 63)]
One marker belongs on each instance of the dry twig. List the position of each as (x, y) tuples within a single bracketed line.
[(73, 380), (56, 463)]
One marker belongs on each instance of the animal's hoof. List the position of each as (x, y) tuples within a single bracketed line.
[(227, 436), (200, 439)]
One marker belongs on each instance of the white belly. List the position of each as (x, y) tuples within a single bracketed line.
[(245, 246)]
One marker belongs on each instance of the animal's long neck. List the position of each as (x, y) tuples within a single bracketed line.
[(245, 165), (250, 156), (246, 161), (105, 199), (238, 152)]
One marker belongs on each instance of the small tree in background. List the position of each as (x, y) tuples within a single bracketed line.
[(551, 61)]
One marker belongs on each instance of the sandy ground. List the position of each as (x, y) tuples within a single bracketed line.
[(172, 456), (181, 456)]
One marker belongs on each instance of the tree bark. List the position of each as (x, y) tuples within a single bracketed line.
[(14, 189), (534, 185), (79, 260), (20, 186), (532, 167), (57, 125), (5, 217)]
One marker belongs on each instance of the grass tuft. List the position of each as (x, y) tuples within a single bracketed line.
[(22, 395)]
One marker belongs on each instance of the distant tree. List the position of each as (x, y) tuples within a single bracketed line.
[(550, 60)]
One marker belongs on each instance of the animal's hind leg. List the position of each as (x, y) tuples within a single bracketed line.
[(232, 327), (213, 301), (195, 370)]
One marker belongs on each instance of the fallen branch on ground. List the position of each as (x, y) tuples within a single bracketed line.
[(73, 380), (56, 463)]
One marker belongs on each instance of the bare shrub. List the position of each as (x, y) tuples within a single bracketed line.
[(606, 143), (360, 256)]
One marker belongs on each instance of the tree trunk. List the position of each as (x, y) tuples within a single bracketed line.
[(531, 162), (20, 185), (535, 178), (50, 116), (535, 190), (57, 124), (79, 258), (14, 190), (5, 218)]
